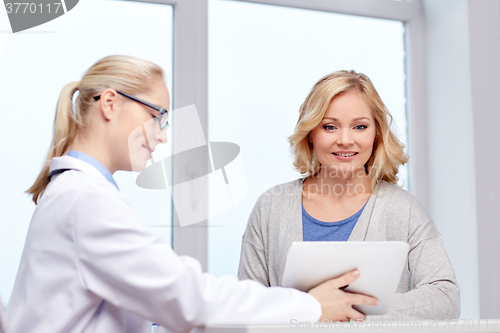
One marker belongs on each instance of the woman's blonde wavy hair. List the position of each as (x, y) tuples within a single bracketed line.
[(125, 73), (387, 153)]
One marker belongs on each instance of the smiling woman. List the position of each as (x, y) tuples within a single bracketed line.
[(349, 157)]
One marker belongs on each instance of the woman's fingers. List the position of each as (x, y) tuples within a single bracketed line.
[(344, 279)]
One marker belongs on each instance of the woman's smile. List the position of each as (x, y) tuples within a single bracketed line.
[(345, 155)]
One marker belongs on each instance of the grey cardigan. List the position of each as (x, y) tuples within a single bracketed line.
[(391, 214)]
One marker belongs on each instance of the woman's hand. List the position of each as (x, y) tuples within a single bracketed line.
[(336, 304)]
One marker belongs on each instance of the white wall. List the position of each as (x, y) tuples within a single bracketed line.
[(484, 32), (451, 142), (463, 50)]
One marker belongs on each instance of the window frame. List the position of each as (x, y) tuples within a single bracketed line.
[(190, 86)]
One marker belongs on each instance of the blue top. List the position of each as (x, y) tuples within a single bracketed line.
[(92, 161), (316, 230)]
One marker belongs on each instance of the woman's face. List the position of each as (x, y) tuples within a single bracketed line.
[(343, 140), (141, 128)]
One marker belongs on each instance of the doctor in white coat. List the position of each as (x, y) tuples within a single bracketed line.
[(90, 265)]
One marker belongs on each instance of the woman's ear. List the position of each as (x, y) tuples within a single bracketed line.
[(311, 146), (108, 103)]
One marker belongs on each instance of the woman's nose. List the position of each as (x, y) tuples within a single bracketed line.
[(345, 138)]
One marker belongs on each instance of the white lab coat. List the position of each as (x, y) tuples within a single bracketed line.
[(90, 265)]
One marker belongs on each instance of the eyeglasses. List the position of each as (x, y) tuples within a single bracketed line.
[(162, 118)]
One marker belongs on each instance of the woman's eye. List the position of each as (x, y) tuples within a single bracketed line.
[(361, 127), (329, 127)]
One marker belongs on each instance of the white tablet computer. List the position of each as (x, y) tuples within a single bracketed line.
[(380, 265)]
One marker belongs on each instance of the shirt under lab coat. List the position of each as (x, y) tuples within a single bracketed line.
[(90, 265)]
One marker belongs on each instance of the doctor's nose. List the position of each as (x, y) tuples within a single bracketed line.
[(161, 136)]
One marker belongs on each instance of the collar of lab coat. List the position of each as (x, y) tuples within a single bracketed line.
[(69, 162)]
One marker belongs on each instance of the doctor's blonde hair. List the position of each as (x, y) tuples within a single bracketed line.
[(387, 153), (125, 73)]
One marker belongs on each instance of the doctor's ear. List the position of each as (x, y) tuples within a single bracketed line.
[(108, 102)]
